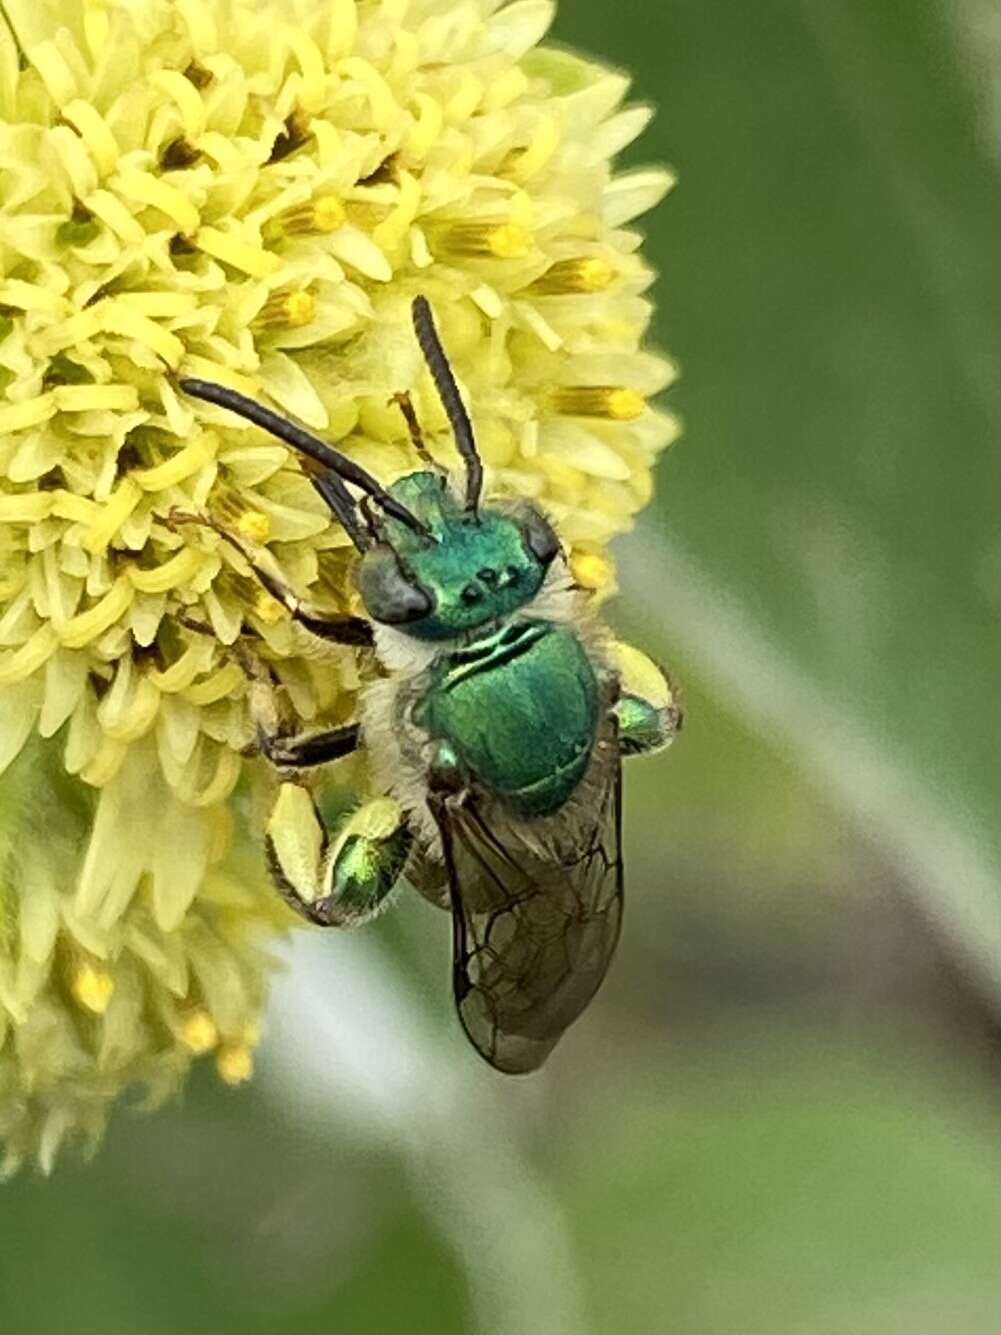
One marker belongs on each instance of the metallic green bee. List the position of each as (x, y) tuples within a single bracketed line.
[(496, 715)]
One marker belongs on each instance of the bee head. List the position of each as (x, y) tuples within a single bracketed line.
[(432, 562), (470, 568)]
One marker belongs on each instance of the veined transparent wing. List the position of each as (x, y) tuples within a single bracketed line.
[(536, 913)]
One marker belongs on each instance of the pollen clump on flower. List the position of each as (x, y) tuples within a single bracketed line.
[(253, 192)]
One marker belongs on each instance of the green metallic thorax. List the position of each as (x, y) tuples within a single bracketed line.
[(520, 710)]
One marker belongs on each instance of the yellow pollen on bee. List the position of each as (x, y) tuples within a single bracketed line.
[(198, 1032), (613, 401), (587, 273), (591, 570), (287, 310), (92, 987), (500, 241), (323, 214), (235, 1063)]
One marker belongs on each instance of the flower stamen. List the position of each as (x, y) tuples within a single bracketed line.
[(198, 75), (198, 1032), (295, 134), (235, 1063), (262, 604), (92, 987), (231, 511), (324, 214), (178, 154), (586, 273), (287, 310), (615, 402), (501, 241)]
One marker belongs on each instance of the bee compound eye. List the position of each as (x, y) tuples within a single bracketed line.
[(389, 595), (539, 537)]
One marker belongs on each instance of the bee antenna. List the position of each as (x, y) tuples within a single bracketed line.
[(451, 400), (338, 468)]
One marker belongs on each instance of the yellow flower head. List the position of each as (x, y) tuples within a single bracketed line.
[(252, 192)]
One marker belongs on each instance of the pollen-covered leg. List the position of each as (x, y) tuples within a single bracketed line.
[(327, 625), (648, 708), (340, 881)]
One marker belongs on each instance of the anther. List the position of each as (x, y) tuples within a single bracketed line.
[(198, 75), (265, 606), (92, 986), (235, 1063), (294, 135), (178, 154), (387, 170), (612, 401), (286, 310), (501, 241), (198, 1032), (587, 273), (323, 214), (230, 511)]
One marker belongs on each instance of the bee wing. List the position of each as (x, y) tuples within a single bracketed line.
[(535, 921)]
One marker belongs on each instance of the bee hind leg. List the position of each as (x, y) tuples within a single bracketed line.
[(342, 879), (648, 709)]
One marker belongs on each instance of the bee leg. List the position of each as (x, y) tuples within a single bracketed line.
[(276, 738), (648, 708), (337, 881), (309, 748), (341, 629)]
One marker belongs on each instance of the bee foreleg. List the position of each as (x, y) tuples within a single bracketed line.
[(340, 880), (276, 735), (648, 708), (339, 628)]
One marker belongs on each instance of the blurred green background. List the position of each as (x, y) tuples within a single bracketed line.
[(780, 1115)]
